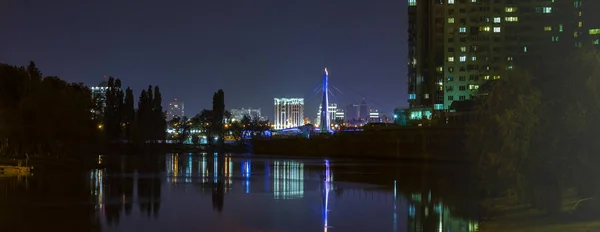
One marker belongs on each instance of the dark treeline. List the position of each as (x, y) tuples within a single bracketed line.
[(537, 137), (43, 115), (122, 122), (46, 116)]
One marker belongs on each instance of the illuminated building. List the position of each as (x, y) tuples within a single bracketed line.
[(238, 114), (176, 109), (339, 114), (332, 111), (99, 96), (455, 46), (289, 113), (374, 115)]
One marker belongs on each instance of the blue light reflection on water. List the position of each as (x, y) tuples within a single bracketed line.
[(297, 195)]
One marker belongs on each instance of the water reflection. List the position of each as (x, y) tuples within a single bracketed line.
[(150, 193), (288, 180)]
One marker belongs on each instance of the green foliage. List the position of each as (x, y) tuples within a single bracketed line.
[(537, 136), (44, 116), (182, 128), (509, 115)]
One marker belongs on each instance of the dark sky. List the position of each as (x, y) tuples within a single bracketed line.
[(253, 49)]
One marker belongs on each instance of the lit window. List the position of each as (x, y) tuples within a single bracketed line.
[(497, 20), (548, 28), (462, 30), (547, 10), (450, 20), (412, 2), (511, 19), (472, 87), (463, 58), (463, 49), (580, 24), (474, 58), (594, 31), (510, 9), (483, 28), (509, 58), (496, 29), (450, 1), (451, 59)]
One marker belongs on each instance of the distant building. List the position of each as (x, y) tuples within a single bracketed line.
[(339, 114), (99, 96), (363, 111), (289, 113), (351, 112), (374, 115), (176, 109), (332, 110), (238, 114)]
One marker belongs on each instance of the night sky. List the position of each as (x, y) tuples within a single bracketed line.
[(254, 50)]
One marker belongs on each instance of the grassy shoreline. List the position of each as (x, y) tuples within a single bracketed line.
[(506, 214)]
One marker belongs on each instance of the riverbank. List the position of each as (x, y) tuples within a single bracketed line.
[(507, 215), (430, 143)]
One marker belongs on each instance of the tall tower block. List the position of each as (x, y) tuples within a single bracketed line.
[(324, 124)]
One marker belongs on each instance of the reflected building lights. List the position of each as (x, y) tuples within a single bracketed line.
[(288, 180), (97, 188), (228, 172), (188, 170), (172, 167), (328, 184), (246, 172), (204, 168), (215, 168)]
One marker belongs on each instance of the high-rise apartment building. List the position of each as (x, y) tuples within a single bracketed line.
[(176, 109), (99, 97), (289, 113), (455, 46)]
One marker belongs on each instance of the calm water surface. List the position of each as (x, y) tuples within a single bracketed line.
[(207, 192)]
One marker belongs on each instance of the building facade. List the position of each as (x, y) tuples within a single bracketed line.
[(238, 114), (332, 110), (99, 97), (455, 46), (289, 113), (176, 109)]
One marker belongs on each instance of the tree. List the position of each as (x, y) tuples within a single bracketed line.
[(204, 120), (509, 116), (128, 114), (28, 103), (158, 116), (182, 128), (141, 117), (218, 114)]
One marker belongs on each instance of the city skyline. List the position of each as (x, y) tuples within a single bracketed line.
[(254, 52)]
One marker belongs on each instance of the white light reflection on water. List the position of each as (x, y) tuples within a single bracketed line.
[(288, 180)]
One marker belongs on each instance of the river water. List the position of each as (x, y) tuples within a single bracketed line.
[(229, 192)]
